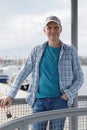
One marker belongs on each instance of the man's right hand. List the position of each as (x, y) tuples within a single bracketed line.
[(5, 101)]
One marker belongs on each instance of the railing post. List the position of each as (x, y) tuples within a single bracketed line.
[(74, 119), (74, 41), (74, 23), (24, 126)]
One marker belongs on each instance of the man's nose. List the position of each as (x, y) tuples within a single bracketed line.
[(52, 30)]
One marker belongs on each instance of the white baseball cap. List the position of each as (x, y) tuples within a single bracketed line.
[(52, 19)]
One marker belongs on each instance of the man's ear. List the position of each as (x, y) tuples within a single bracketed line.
[(60, 29), (44, 29)]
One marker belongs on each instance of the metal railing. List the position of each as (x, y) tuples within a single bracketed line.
[(25, 123), (22, 116), (18, 109)]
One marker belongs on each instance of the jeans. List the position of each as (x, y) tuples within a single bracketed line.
[(46, 104)]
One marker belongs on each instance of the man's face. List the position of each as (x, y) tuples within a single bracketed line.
[(52, 30)]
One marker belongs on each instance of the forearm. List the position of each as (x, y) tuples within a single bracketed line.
[(73, 89), (22, 75)]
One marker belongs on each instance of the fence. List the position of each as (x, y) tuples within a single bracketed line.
[(22, 117), (25, 123)]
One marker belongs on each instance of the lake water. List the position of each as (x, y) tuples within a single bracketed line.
[(83, 89)]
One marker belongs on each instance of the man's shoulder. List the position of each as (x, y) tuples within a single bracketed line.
[(40, 46), (68, 47)]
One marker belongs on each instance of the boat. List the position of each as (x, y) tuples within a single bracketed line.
[(4, 78), (25, 86), (8, 74)]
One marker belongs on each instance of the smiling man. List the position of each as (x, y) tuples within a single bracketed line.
[(56, 76)]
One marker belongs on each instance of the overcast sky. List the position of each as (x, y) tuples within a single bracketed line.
[(21, 24)]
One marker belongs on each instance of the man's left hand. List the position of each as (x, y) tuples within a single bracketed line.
[(64, 96)]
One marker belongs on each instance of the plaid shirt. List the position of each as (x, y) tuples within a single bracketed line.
[(70, 73)]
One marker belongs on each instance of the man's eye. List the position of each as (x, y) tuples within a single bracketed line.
[(49, 28), (57, 27)]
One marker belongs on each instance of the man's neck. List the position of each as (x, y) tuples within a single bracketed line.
[(55, 43)]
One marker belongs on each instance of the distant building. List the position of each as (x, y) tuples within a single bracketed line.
[(11, 61)]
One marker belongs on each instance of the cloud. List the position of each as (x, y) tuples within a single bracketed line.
[(22, 28), (32, 7), (21, 23)]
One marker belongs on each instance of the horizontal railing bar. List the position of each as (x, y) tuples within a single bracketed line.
[(82, 98), (19, 101), (43, 116), (23, 100)]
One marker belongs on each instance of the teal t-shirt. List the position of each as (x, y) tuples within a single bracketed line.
[(49, 77)]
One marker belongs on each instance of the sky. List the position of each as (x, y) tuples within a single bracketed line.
[(21, 25)]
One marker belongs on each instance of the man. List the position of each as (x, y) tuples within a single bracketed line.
[(56, 76)]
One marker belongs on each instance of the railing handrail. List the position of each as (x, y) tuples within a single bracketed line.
[(82, 97), (23, 122), (23, 100), (19, 101), (42, 116)]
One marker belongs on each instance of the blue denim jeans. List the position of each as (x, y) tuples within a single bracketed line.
[(46, 104)]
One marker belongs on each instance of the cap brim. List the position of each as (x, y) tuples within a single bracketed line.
[(51, 21)]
